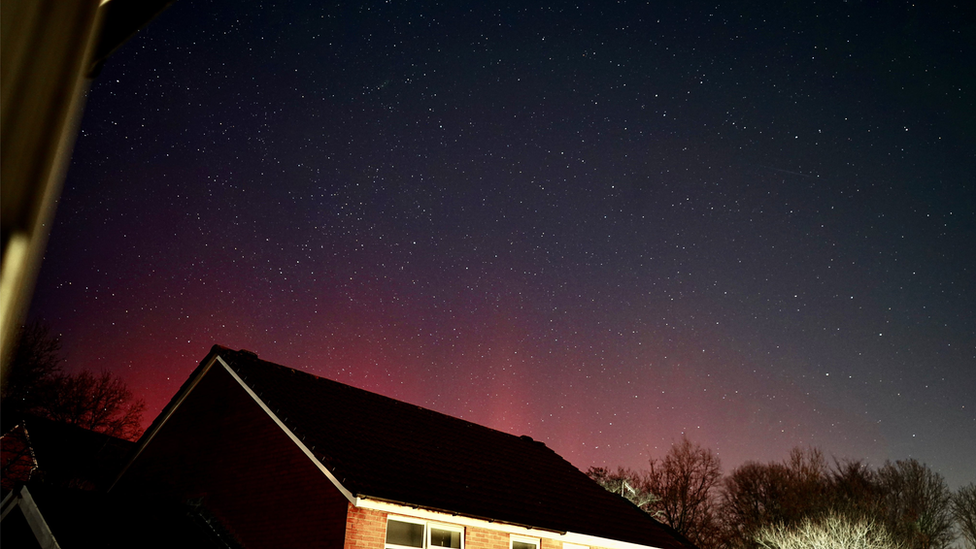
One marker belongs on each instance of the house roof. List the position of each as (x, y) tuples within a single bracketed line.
[(71, 456), (77, 517), (381, 448)]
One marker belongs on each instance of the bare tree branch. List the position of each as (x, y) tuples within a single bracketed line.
[(964, 511), (686, 481), (37, 385), (833, 531)]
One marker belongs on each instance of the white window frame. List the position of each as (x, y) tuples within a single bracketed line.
[(408, 520), (428, 526), (524, 539), (567, 545), (442, 526)]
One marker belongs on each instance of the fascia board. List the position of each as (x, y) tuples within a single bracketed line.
[(448, 518), (35, 519), (301, 445), (9, 502)]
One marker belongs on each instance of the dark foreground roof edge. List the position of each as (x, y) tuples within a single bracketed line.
[(168, 410)]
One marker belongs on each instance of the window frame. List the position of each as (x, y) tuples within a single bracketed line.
[(443, 526), (428, 526), (407, 520), (512, 538)]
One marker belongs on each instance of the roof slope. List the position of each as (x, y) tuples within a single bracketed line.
[(77, 517), (386, 449), (71, 456)]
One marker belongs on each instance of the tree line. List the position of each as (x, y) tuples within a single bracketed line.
[(803, 501), (37, 385)]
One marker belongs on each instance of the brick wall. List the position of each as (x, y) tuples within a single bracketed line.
[(219, 447), (481, 538), (551, 544), (366, 529)]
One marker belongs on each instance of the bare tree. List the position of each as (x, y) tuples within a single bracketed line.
[(100, 403), (854, 490), (34, 367), (755, 495), (832, 530), (798, 502), (964, 511), (916, 504), (749, 496), (686, 482), (38, 386)]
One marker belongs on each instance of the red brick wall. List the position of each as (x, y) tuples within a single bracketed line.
[(480, 538), (220, 446), (366, 529)]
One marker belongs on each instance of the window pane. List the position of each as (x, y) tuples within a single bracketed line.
[(405, 533), (445, 538), (523, 545)]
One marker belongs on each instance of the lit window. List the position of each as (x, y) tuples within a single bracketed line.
[(403, 533), (522, 542)]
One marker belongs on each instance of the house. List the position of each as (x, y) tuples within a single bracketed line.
[(54, 481), (59, 454), (281, 458), (55, 517)]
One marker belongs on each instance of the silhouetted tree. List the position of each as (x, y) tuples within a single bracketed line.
[(38, 386), (964, 511), (916, 504), (854, 490), (799, 502), (757, 495), (34, 368), (100, 403), (686, 482)]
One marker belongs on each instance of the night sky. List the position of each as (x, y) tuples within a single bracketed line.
[(603, 224)]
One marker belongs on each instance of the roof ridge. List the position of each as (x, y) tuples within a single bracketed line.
[(257, 361)]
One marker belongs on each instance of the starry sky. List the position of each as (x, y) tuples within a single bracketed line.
[(600, 224)]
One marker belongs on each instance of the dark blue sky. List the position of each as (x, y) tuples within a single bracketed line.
[(602, 225)]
